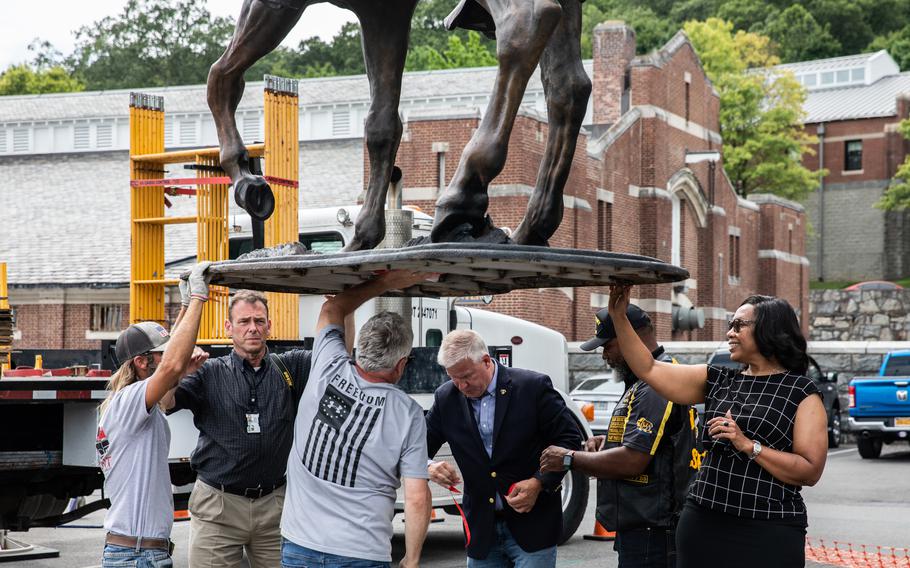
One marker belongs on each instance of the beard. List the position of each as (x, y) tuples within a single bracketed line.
[(623, 374)]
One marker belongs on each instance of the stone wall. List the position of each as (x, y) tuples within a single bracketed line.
[(875, 315)]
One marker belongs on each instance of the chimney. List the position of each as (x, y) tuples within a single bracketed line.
[(614, 48)]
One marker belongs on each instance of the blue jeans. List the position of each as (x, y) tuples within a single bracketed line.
[(127, 557), (296, 556), (646, 548), (506, 552)]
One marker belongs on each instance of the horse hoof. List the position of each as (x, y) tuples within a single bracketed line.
[(255, 196), (525, 237), (357, 244)]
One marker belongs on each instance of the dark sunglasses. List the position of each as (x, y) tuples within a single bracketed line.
[(737, 324)]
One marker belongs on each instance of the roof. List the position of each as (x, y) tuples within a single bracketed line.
[(417, 88), (843, 62), (73, 227), (861, 101)]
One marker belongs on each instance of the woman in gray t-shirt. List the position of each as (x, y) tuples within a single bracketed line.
[(133, 436)]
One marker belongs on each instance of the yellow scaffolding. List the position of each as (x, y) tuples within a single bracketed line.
[(147, 187), (6, 322)]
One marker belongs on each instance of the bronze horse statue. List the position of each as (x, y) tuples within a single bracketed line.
[(527, 32)]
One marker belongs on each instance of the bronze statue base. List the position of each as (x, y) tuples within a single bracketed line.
[(465, 269)]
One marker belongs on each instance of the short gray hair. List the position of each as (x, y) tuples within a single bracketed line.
[(384, 340), (459, 345)]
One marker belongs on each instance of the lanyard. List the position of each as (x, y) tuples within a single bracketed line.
[(253, 385)]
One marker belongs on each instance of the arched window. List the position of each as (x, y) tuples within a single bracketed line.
[(684, 186)]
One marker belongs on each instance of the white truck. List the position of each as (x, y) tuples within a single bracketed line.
[(48, 424)]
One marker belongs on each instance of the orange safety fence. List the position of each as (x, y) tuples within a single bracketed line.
[(852, 555)]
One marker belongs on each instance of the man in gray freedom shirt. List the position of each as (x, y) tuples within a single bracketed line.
[(356, 435)]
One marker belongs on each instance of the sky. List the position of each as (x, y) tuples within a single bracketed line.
[(56, 20)]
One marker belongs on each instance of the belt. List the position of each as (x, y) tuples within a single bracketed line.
[(139, 542), (248, 492)]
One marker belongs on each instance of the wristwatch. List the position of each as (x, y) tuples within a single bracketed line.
[(567, 460), (756, 449)]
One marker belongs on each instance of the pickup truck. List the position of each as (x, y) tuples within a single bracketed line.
[(879, 406)]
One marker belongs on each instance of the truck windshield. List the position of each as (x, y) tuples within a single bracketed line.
[(897, 366), (325, 243)]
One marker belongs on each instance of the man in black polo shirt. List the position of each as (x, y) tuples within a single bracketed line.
[(644, 464), (244, 405)]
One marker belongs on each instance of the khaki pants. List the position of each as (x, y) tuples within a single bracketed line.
[(222, 525)]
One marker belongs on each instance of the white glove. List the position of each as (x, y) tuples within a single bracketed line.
[(199, 281), (184, 286)]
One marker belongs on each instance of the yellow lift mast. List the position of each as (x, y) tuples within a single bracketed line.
[(6, 322), (148, 159)]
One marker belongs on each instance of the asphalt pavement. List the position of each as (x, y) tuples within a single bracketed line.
[(861, 502)]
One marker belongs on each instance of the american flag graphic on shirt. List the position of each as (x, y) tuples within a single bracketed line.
[(337, 436)]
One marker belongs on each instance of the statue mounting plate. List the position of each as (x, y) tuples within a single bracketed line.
[(466, 269)]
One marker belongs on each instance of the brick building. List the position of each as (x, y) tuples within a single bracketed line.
[(641, 183), (853, 106)]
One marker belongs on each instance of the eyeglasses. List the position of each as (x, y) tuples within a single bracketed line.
[(737, 324)]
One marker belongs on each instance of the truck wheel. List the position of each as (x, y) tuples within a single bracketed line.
[(834, 428), (575, 489), (869, 448)]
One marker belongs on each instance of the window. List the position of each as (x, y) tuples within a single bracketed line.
[(341, 123), (20, 140), (251, 128), (734, 256), (687, 101), (858, 74), (827, 77), (324, 243), (853, 155), (104, 136), (843, 76), (604, 225), (810, 80), (433, 338), (105, 317), (626, 98), (187, 130)]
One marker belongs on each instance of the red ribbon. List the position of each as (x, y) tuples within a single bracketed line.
[(464, 520), (220, 180)]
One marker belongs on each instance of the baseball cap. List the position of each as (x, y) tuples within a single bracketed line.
[(139, 338), (605, 330)]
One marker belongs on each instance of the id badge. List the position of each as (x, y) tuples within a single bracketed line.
[(252, 423)]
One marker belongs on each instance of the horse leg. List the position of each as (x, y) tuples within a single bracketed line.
[(567, 88), (261, 27), (523, 28), (385, 27)]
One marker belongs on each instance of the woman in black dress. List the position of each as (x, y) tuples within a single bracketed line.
[(765, 436)]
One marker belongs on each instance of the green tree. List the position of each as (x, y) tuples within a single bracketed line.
[(458, 53), (897, 196), (23, 79), (799, 37), (845, 21), (748, 15), (898, 46), (316, 58), (150, 43), (43, 74), (651, 30), (760, 111)]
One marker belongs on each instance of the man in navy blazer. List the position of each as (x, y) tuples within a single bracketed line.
[(497, 421)]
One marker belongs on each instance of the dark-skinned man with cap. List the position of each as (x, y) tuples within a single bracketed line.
[(644, 464)]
